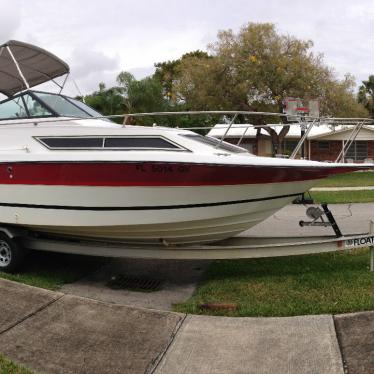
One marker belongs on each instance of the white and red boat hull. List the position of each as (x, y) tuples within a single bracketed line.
[(147, 201)]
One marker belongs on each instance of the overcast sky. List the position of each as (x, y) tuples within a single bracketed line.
[(100, 38)]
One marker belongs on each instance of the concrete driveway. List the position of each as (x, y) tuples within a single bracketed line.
[(50, 332), (54, 332)]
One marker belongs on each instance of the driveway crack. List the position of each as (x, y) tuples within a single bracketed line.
[(155, 364), (33, 313)]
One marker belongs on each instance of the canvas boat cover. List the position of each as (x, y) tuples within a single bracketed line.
[(36, 64)]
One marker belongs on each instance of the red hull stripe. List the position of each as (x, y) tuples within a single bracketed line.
[(154, 174)]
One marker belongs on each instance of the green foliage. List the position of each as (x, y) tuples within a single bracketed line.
[(106, 101), (144, 95), (168, 73), (366, 94), (9, 367), (130, 96)]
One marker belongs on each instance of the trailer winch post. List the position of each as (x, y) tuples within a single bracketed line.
[(371, 248)]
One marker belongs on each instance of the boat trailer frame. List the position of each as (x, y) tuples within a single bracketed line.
[(239, 247)]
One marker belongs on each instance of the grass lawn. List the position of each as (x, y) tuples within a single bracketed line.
[(338, 282), (342, 197), (356, 179), (8, 367), (52, 270)]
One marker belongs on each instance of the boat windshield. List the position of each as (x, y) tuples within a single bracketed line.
[(66, 106), (23, 106), (34, 104)]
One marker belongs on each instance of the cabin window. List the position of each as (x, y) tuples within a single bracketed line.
[(108, 143), (157, 143), (72, 142)]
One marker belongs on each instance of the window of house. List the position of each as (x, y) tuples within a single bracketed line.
[(323, 146), (289, 146), (358, 151)]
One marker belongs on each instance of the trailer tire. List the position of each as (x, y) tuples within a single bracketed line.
[(12, 253)]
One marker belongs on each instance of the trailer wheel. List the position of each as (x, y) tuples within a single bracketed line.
[(11, 253)]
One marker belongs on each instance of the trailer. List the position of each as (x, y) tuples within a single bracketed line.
[(16, 243)]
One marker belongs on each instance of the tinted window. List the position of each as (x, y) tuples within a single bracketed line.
[(138, 143), (107, 143), (63, 143)]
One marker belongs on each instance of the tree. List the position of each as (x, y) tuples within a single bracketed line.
[(143, 95), (167, 73), (130, 96), (255, 69), (106, 101), (366, 94)]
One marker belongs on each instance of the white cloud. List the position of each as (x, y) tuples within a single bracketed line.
[(10, 19), (86, 62), (101, 38)]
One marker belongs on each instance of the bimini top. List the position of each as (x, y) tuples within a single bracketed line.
[(24, 66)]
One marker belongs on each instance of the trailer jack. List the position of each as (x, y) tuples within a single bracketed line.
[(317, 216)]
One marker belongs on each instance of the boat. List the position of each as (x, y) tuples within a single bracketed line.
[(67, 171)]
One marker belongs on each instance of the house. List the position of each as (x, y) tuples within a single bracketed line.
[(324, 142)]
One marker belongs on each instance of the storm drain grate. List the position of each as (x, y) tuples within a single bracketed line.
[(124, 282)]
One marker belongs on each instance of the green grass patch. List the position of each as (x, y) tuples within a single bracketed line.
[(9, 367), (332, 283), (52, 270), (342, 197), (356, 179)]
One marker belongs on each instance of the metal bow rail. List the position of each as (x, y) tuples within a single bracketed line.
[(304, 121)]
